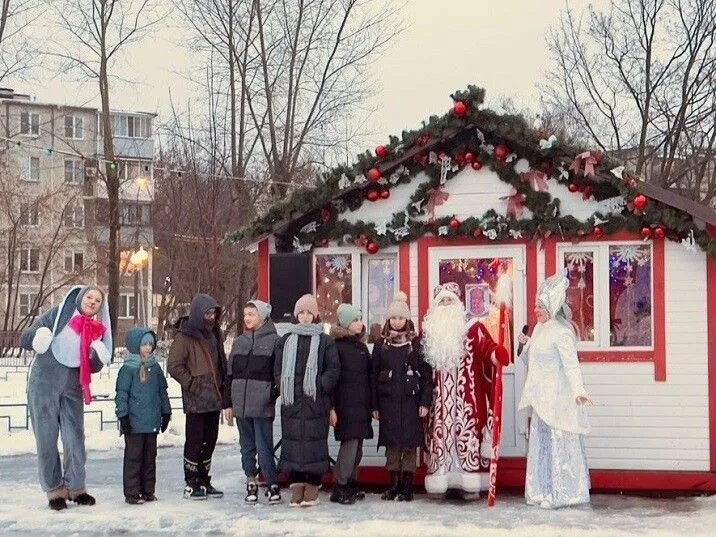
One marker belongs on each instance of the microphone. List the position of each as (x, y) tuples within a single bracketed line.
[(525, 329)]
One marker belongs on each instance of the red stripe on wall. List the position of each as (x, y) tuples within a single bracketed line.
[(404, 268), (711, 319), (263, 271)]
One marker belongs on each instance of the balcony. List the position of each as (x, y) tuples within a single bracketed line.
[(129, 236)]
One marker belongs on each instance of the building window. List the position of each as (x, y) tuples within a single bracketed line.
[(135, 214), (379, 283), (28, 305), (29, 124), (75, 215), (74, 262), (126, 307), (131, 126), (30, 168), (74, 172), (74, 128), (618, 275), (29, 260), (29, 215), (334, 283)]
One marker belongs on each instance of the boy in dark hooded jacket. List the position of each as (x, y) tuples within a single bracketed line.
[(142, 407)]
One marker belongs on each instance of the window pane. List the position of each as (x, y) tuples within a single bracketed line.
[(34, 260), (69, 127), (69, 171), (34, 168), (79, 261), (334, 275), (35, 123), (580, 294), (24, 123), (381, 290), (130, 126), (79, 127), (630, 295)]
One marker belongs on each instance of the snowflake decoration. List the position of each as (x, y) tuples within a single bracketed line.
[(311, 227), (480, 135), (563, 172), (689, 242), (443, 230), (618, 171), (491, 234), (300, 248), (432, 157), (578, 260), (511, 157), (360, 179), (382, 228), (403, 170), (445, 167), (548, 143), (406, 218), (394, 177), (344, 182), (515, 234), (401, 232), (598, 221), (418, 204), (630, 254), (612, 205), (339, 265)]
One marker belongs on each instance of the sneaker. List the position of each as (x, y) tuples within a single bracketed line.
[(297, 492), (274, 494), (212, 492), (310, 496), (84, 499), (150, 497), (58, 504), (134, 499), (194, 493), (252, 493)]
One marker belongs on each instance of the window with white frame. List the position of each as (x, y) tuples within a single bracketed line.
[(74, 261), (28, 305), (75, 215), (74, 172), (29, 260), (30, 168), (346, 276), (126, 307), (610, 293), (29, 215), (131, 126), (29, 124), (74, 127), (135, 214)]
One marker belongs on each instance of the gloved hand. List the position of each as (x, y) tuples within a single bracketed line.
[(166, 418), (125, 426), (101, 351), (41, 341)]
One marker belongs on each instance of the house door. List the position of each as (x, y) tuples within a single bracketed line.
[(491, 276)]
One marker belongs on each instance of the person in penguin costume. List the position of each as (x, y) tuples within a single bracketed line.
[(70, 344)]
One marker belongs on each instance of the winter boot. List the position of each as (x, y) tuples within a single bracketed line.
[(195, 492), (134, 499), (342, 494), (297, 492), (274, 494), (310, 496), (406, 488), (211, 491), (357, 492), (84, 499), (149, 497), (58, 504), (392, 492), (252, 493)]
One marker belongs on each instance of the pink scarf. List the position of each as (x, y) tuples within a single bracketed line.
[(89, 330)]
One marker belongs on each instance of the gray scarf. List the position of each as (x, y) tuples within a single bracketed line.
[(288, 366)]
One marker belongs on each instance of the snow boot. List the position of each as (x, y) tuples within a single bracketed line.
[(211, 491), (195, 493), (58, 504), (252, 493), (149, 497), (392, 492), (134, 499), (342, 494), (274, 494), (357, 492), (297, 492), (84, 499), (406, 489), (310, 496)]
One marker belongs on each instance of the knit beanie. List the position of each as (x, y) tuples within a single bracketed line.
[(148, 339), (306, 303), (399, 307), (264, 308), (347, 313)]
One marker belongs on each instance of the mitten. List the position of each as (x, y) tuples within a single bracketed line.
[(166, 418), (41, 341), (101, 351), (125, 427)]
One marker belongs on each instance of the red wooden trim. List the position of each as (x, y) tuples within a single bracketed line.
[(263, 271), (404, 268), (711, 319), (658, 355), (425, 243)]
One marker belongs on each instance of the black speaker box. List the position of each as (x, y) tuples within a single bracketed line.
[(289, 279)]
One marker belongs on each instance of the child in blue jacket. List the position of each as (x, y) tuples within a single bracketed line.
[(142, 407)]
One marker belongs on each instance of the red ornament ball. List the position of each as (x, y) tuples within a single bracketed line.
[(477, 165), (640, 202), (455, 223), (598, 232), (385, 194), (646, 232), (374, 174), (373, 195), (469, 157), (381, 151), (372, 248), (325, 215), (660, 232), (501, 152), (573, 187), (460, 109), (477, 233)]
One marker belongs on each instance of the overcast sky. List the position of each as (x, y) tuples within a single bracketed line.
[(448, 44)]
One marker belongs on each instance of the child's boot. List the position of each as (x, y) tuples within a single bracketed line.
[(252, 492), (342, 494), (297, 492), (355, 490), (392, 492), (310, 495), (274, 494), (406, 489)]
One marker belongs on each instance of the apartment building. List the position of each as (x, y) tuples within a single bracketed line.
[(53, 206)]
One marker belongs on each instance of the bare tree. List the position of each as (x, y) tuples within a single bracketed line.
[(93, 34), (16, 51), (640, 79)]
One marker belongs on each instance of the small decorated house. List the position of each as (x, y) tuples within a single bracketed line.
[(483, 200)]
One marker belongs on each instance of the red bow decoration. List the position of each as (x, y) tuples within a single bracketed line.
[(589, 160), (436, 196), (89, 330), (361, 241), (515, 203), (537, 180)]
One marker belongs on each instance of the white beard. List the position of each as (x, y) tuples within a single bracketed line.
[(445, 331)]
